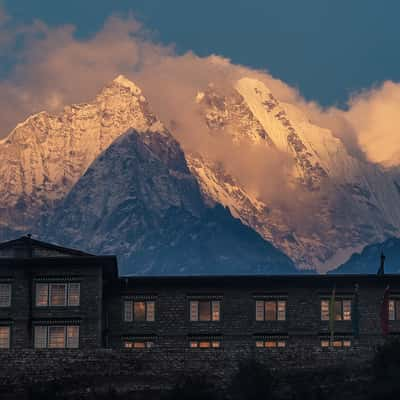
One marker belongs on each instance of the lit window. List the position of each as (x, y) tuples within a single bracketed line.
[(139, 310), (271, 343), (5, 295), (342, 310), (4, 337), (56, 337), (325, 310), (42, 294), (394, 309), (58, 294), (336, 342), (74, 294), (72, 337), (270, 310), (205, 310), (138, 344), (205, 344)]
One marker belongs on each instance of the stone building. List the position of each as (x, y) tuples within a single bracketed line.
[(54, 298)]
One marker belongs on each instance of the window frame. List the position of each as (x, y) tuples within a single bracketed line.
[(8, 328), (213, 302), (148, 343), (67, 294), (339, 306), (205, 343), (338, 342), (271, 343), (47, 329), (276, 301), (9, 286), (130, 302), (394, 313)]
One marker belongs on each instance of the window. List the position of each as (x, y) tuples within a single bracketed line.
[(56, 337), (5, 294), (139, 310), (4, 337), (270, 310), (271, 343), (342, 310), (138, 344), (58, 294), (205, 344), (394, 309), (205, 310), (336, 342)]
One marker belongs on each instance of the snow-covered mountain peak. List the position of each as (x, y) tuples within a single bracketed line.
[(343, 202), (125, 82), (44, 156)]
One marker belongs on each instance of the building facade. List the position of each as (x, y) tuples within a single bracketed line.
[(53, 298)]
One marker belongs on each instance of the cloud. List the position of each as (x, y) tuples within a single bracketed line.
[(53, 68), (375, 116)]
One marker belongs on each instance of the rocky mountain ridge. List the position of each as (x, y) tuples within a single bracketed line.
[(325, 205)]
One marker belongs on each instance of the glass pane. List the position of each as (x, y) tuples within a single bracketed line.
[(270, 310), (194, 310), (58, 294), (281, 310), (150, 311), (259, 310), (259, 343), (338, 310), (139, 311), (56, 337), (139, 345), (391, 310), (4, 337), (281, 343), (324, 310), (215, 310), (204, 344), (270, 343), (128, 345), (346, 310), (74, 291), (346, 343), (42, 294), (205, 310), (5, 295), (72, 337), (324, 343), (128, 311), (337, 343), (216, 344), (193, 345), (40, 334), (149, 344)]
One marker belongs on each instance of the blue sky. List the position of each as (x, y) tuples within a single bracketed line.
[(327, 49)]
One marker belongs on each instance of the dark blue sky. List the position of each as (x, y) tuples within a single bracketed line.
[(328, 49)]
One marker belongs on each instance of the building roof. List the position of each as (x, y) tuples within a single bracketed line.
[(27, 252), (27, 243)]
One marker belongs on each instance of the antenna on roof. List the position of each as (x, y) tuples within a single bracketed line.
[(381, 270)]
